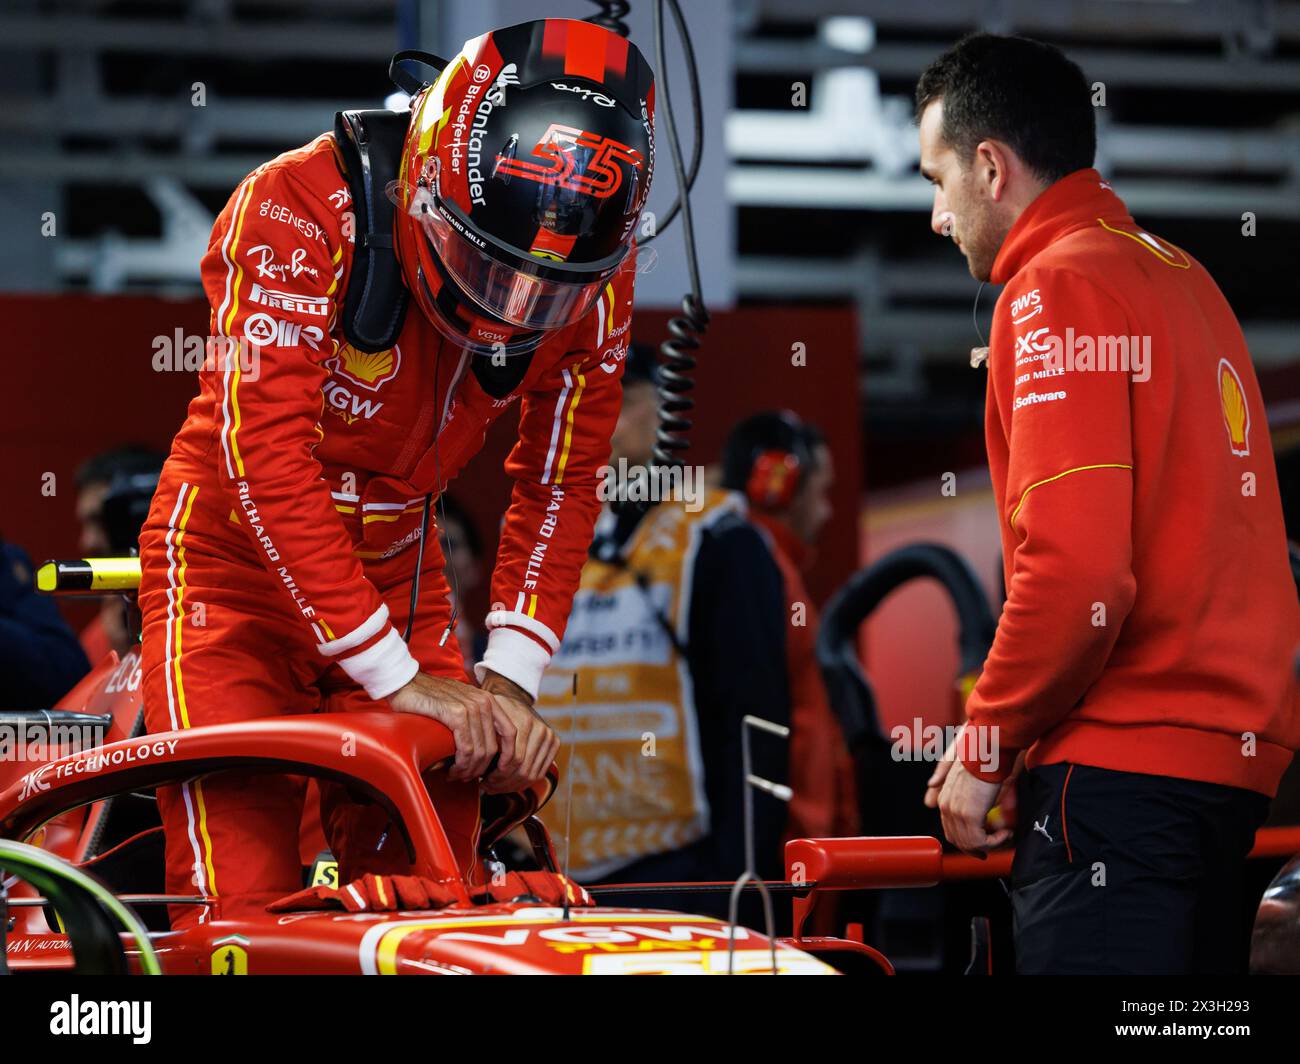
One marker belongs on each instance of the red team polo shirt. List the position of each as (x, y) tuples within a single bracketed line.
[(1151, 622)]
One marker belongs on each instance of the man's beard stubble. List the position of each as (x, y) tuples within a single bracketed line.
[(980, 243)]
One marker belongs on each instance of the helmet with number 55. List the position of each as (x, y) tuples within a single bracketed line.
[(523, 177)]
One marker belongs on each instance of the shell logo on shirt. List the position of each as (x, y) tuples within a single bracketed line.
[(369, 370), (1236, 413)]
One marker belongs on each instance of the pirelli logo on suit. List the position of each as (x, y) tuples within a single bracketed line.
[(289, 301)]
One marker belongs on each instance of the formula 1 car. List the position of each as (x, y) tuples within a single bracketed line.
[(397, 760), (81, 854), (93, 854)]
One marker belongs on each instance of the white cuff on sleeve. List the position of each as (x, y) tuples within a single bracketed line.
[(501, 618), (515, 656), (372, 625), (382, 668)]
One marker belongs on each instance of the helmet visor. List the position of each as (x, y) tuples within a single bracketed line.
[(516, 294)]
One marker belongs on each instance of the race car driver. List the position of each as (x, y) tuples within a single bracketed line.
[(279, 554)]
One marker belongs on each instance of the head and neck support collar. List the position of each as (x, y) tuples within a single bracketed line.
[(374, 307)]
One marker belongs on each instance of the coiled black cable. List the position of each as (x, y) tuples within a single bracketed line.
[(677, 353), (677, 362), (611, 16)]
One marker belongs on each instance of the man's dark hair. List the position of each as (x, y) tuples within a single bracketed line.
[(121, 461), (772, 430), (1024, 93)]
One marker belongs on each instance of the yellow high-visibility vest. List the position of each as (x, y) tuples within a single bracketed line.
[(634, 748)]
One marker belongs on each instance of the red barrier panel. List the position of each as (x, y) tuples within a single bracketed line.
[(865, 863), (918, 861)]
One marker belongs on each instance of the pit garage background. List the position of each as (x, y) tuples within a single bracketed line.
[(127, 123)]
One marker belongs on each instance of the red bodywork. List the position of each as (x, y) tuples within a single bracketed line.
[(398, 760)]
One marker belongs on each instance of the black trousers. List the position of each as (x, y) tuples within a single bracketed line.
[(1123, 873)]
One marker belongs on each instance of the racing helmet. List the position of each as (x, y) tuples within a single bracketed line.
[(524, 173)]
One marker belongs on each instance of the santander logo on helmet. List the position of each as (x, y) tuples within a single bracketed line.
[(525, 170)]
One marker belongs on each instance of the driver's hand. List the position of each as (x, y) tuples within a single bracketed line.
[(467, 710), (528, 744)]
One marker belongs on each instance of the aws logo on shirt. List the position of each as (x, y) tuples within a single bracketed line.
[(1030, 305)]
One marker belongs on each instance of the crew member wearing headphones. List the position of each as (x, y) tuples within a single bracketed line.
[(784, 468)]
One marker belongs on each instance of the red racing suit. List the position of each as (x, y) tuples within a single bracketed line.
[(279, 550)]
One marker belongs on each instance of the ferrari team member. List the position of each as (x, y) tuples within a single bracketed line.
[(678, 631), (782, 466), (280, 551), (1143, 658), (106, 481)]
